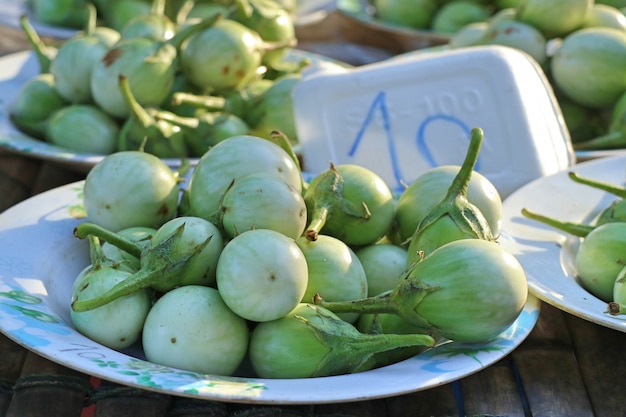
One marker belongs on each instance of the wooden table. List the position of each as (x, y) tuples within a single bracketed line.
[(566, 367)]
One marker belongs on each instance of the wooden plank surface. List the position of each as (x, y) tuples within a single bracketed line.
[(549, 369)]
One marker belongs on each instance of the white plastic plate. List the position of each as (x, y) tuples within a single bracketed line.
[(40, 259), (547, 254)]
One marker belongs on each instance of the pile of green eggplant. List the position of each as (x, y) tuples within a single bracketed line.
[(172, 87)]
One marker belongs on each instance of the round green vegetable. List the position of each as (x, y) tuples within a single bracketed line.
[(231, 160), (554, 18), (311, 341), (191, 328), (129, 189), (262, 275), (468, 290), (263, 201), (349, 202), (600, 258), (334, 270), (589, 65)]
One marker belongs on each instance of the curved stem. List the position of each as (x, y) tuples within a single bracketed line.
[(318, 220), (90, 26), (177, 40), (39, 47), (137, 281), (322, 197), (244, 8), (460, 183), (576, 229), (183, 11), (84, 230), (158, 7), (378, 304), (136, 109), (601, 185), (283, 141), (266, 46), (184, 122), (212, 103)]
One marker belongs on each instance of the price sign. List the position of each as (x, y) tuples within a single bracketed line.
[(404, 116)]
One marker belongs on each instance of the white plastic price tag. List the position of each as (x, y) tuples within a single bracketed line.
[(403, 116)]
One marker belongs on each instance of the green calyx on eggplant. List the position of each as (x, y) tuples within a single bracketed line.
[(468, 290), (177, 255), (117, 325), (143, 131), (312, 342), (454, 217), (349, 202)]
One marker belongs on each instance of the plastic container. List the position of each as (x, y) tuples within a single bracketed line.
[(403, 116)]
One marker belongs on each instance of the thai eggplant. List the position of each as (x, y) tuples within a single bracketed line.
[(311, 341), (454, 217), (349, 202), (468, 290)]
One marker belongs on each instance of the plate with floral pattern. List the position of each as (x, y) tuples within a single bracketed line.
[(40, 259)]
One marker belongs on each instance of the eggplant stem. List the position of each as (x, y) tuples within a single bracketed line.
[(283, 141), (601, 185), (39, 47), (184, 122), (136, 109), (158, 7), (319, 219), (213, 103), (244, 8), (178, 39), (90, 26), (378, 304), (575, 229), (615, 309), (84, 230), (460, 183), (140, 279)]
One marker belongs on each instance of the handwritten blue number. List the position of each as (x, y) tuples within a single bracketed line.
[(380, 101), (381, 104)]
